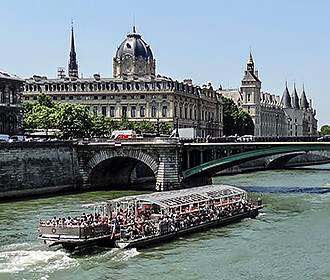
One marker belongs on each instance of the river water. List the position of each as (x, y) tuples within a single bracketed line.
[(290, 239)]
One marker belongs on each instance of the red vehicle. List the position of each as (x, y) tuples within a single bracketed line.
[(123, 134)]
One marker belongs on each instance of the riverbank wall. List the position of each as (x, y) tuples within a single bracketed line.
[(32, 168)]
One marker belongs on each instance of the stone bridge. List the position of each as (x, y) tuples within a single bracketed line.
[(119, 164), (173, 164), (38, 168)]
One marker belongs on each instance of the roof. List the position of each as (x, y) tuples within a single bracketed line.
[(295, 99), (248, 77), (184, 196), (286, 98), (5, 75), (303, 100), (135, 46), (42, 79)]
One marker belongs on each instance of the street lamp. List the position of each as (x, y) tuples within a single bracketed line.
[(158, 134), (177, 127)]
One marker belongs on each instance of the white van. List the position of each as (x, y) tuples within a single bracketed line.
[(4, 137), (17, 138)]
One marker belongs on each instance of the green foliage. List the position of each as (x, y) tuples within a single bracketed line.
[(143, 127), (45, 100), (75, 121), (325, 130), (165, 128), (236, 121)]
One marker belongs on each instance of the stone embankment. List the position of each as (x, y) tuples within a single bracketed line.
[(33, 168)]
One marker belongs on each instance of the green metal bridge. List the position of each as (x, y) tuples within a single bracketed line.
[(210, 168)]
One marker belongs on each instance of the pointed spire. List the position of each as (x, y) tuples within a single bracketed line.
[(73, 65), (295, 98), (72, 39), (250, 61), (250, 64), (286, 99), (303, 99), (134, 29)]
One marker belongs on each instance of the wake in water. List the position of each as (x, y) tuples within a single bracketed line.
[(24, 257), (16, 258)]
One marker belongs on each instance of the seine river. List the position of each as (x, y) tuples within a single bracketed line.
[(289, 240)]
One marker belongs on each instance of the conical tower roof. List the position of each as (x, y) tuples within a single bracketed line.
[(295, 98), (286, 98), (303, 100)]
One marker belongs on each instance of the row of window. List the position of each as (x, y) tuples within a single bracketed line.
[(96, 97), (134, 111), (121, 86), (183, 112)]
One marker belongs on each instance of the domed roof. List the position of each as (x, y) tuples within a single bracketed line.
[(135, 46)]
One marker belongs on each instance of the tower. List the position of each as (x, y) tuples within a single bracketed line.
[(250, 90), (286, 98), (73, 65), (134, 58)]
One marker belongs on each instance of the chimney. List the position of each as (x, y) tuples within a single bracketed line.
[(188, 81), (97, 77)]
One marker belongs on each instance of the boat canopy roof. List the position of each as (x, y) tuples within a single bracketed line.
[(176, 198)]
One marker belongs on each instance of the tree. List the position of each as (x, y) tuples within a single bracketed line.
[(325, 130), (235, 120), (73, 120), (45, 100), (142, 127), (165, 128)]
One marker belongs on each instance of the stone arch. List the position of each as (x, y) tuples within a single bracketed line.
[(123, 161), (138, 155)]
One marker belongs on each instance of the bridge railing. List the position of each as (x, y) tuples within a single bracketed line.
[(233, 139)]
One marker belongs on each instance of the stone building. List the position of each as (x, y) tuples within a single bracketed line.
[(272, 115), (300, 113), (135, 91), (10, 108)]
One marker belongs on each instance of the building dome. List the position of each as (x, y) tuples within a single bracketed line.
[(134, 46), (134, 58)]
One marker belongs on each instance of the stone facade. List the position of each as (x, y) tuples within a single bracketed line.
[(10, 104), (37, 168), (136, 92), (272, 115)]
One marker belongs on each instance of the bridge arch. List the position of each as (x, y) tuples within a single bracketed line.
[(119, 167), (279, 161), (209, 169)]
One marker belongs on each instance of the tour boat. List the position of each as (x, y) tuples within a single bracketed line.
[(142, 220)]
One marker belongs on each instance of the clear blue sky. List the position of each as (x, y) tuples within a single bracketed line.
[(202, 40)]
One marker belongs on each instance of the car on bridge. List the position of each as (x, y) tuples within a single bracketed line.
[(123, 134), (325, 138), (246, 138), (4, 137)]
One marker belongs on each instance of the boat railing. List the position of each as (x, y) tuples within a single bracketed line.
[(74, 231)]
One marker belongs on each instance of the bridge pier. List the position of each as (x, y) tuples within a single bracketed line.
[(170, 163)]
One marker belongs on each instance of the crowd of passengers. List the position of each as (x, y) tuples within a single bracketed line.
[(148, 224), (149, 221), (85, 220)]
